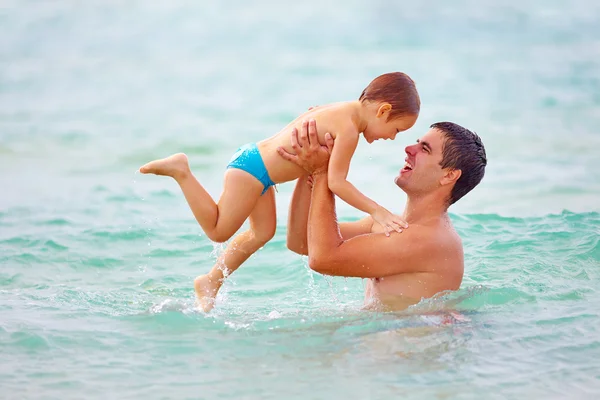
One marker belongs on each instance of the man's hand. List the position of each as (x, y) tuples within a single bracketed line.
[(310, 155)]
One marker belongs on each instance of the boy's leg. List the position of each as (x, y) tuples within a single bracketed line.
[(219, 221), (263, 221)]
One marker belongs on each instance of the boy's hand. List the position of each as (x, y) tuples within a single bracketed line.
[(390, 222), (310, 181)]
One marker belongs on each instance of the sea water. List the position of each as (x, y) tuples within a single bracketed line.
[(97, 261)]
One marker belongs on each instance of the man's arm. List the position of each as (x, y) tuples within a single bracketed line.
[(298, 217), (300, 203), (329, 253), (364, 256), (297, 240)]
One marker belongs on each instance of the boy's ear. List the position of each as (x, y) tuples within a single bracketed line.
[(384, 109), (450, 176)]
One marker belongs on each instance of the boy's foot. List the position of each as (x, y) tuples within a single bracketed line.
[(206, 291), (173, 166)]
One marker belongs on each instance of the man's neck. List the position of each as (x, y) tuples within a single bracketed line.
[(423, 209)]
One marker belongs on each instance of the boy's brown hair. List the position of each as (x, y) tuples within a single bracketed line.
[(395, 88)]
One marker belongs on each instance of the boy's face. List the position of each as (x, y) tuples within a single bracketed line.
[(380, 128)]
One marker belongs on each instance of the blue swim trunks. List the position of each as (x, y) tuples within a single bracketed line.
[(247, 158)]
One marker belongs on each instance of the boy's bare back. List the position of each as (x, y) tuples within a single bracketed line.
[(332, 118)]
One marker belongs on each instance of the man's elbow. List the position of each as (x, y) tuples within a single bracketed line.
[(297, 247), (319, 264)]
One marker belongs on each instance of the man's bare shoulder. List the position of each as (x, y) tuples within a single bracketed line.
[(441, 232), (427, 241), (445, 249)]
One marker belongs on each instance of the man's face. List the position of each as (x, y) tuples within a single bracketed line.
[(422, 171)]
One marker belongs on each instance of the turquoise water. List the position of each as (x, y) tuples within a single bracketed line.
[(97, 262)]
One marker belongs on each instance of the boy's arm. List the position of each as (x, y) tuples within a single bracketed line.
[(339, 164)]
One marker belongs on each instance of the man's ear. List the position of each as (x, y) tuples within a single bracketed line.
[(450, 176), (384, 109)]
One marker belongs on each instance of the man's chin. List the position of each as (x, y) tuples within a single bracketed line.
[(401, 182)]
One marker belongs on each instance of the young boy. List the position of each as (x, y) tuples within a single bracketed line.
[(388, 105)]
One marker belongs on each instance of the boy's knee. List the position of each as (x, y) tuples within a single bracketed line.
[(265, 235), (218, 237)]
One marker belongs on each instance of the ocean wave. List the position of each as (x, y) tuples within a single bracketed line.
[(28, 341)]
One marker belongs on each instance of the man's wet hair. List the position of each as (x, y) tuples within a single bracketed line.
[(462, 150)]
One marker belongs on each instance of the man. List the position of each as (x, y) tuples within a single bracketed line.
[(424, 259)]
